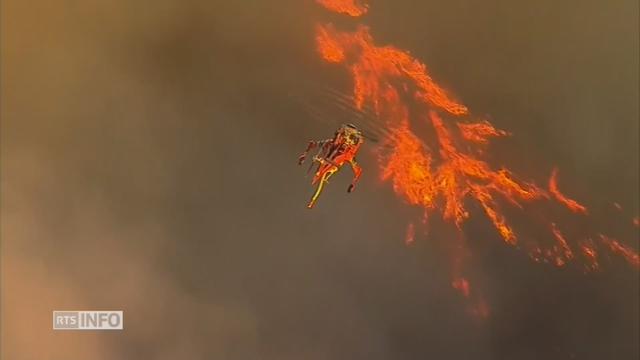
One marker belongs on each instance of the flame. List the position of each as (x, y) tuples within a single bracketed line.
[(590, 255), (329, 48), (411, 234), (569, 203), (374, 67), (479, 132), (452, 172), (479, 308), (627, 253), (462, 285), (347, 7), (409, 165), (562, 250)]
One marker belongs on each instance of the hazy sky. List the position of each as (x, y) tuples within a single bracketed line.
[(148, 164)]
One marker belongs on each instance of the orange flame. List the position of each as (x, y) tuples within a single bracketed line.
[(479, 132), (329, 48), (462, 285), (348, 7), (569, 203), (627, 253), (409, 165), (590, 255), (374, 67), (411, 234), (442, 176), (562, 250)]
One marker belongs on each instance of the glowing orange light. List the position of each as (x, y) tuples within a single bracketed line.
[(374, 67), (569, 203), (590, 255), (451, 172), (562, 251), (480, 132), (411, 234), (627, 253), (348, 7), (462, 285)]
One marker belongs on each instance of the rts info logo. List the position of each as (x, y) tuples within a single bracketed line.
[(88, 320)]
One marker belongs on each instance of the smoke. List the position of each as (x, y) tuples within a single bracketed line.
[(148, 164)]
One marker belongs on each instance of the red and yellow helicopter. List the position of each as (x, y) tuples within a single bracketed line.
[(332, 154)]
